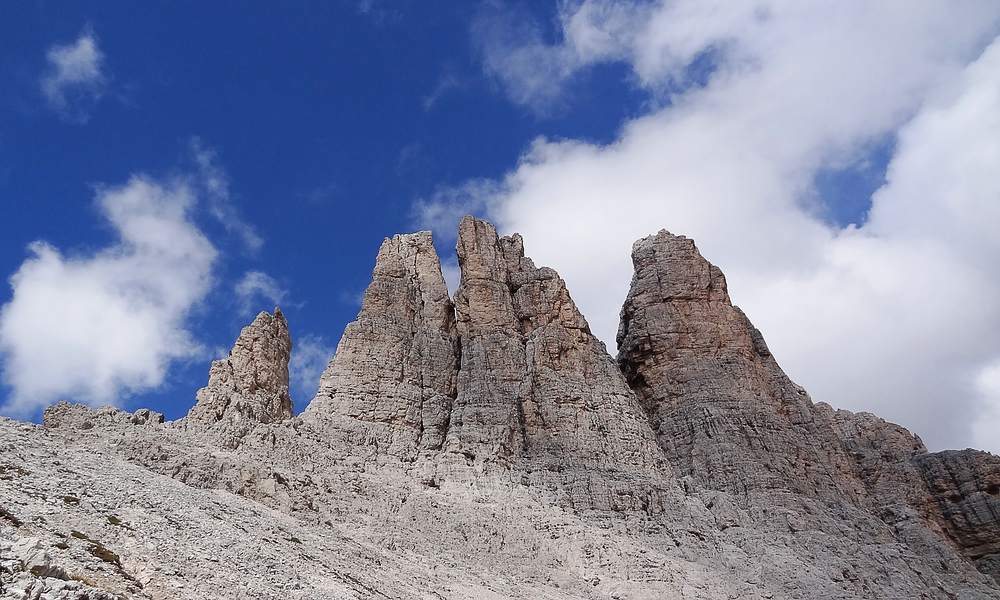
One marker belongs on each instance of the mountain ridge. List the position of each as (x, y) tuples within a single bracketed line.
[(489, 446)]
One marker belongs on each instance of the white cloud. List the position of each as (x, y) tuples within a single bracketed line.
[(987, 423), (450, 203), (900, 316), (215, 180), (310, 356), (76, 80), (531, 72), (256, 286), (93, 328)]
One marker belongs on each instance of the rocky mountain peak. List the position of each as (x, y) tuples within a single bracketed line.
[(534, 383), (491, 447), (249, 386), (394, 374), (710, 388)]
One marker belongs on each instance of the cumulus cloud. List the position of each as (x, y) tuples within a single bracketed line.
[(93, 328), (256, 287), (76, 80), (310, 356), (898, 316)]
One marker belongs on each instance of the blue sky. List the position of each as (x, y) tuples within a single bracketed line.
[(328, 122), (281, 143)]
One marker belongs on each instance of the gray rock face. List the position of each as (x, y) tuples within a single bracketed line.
[(965, 488), (729, 419), (396, 365), (722, 409), (534, 383), (251, 385), (510, 374), (882, 456)]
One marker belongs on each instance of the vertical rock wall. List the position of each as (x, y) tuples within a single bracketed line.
[(965, 487), (487, 420), (396, 364), (534, 381)]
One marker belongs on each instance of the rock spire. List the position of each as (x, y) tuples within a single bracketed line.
[(728, 418), (722, 409), (250, 386), (509, 374), (396, 365), (534, 381)]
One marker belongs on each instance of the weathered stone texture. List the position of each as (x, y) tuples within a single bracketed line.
[(534, 382), (965, 485), (396, 365), (493, 449), (729, 419), (250, 386), (722, 409)]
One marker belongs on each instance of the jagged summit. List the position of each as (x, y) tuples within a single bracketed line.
[(491, 448), (509, 373), (721, 407), (396, 365), (251, 385), (534, 383)]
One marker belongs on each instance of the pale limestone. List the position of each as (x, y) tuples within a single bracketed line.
[(493, 449), (393, 377), (250, 386)]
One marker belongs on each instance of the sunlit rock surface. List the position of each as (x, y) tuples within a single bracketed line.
[(492, 448)]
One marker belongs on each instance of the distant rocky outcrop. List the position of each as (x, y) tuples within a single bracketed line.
[(83, 417), (490, 447)]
